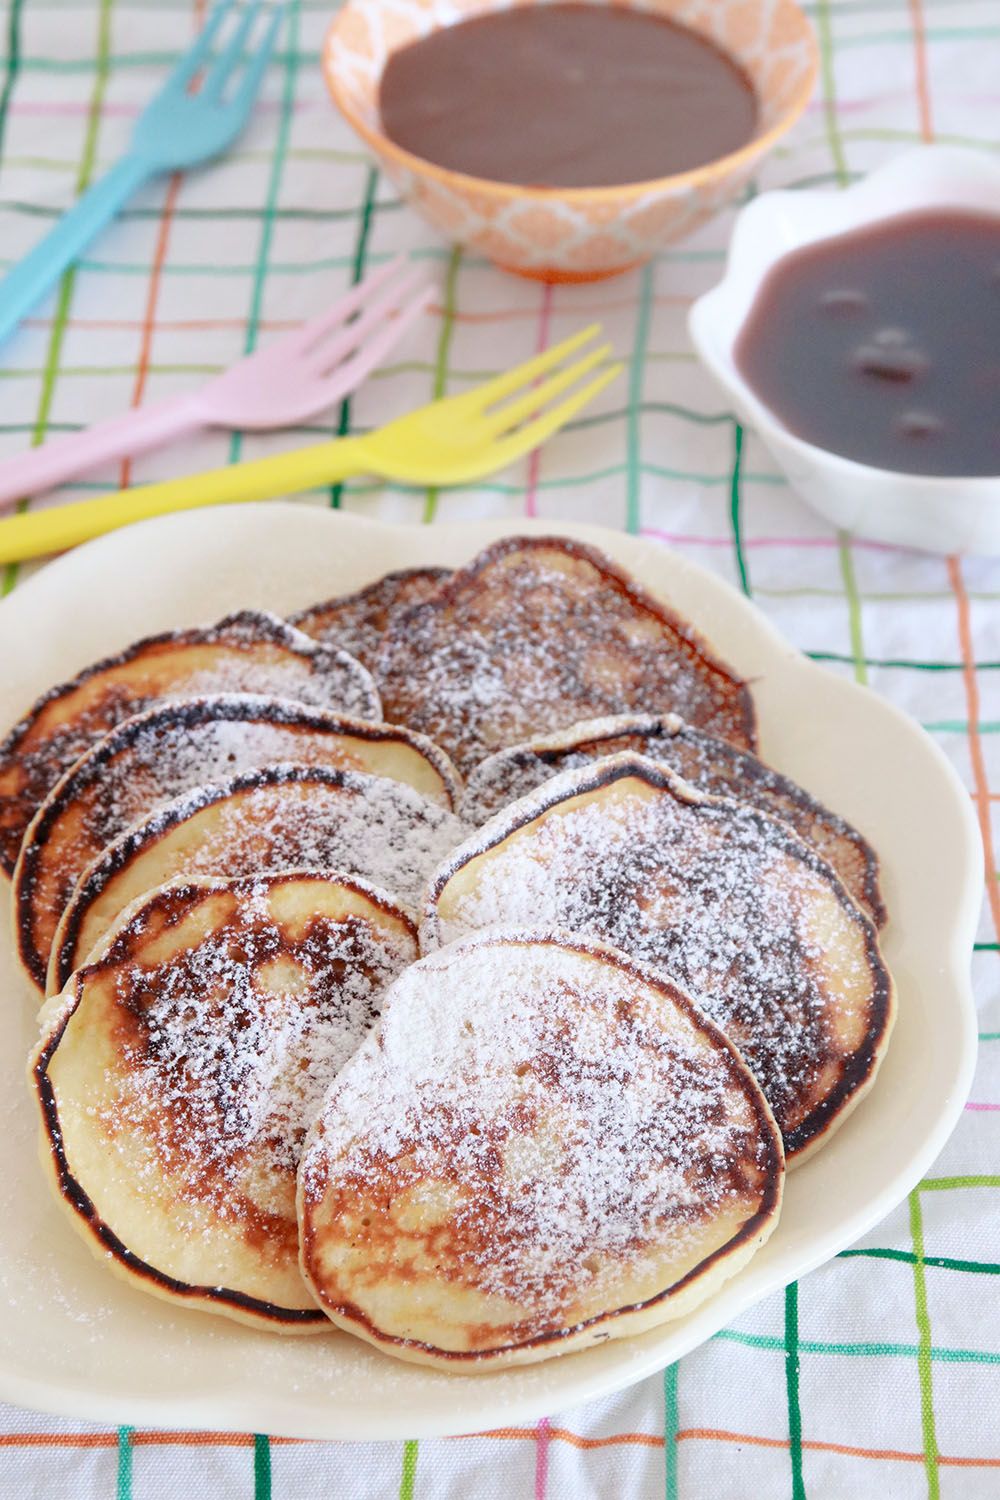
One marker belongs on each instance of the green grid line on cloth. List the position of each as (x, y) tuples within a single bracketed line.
[(357, 272), (881, 1368), (440, 368), (64, 295), (290, 68)]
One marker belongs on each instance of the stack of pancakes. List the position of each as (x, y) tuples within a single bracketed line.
[(442, 964)]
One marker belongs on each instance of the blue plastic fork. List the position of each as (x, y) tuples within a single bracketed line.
[(177, 130)]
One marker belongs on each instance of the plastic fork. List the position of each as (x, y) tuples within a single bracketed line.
[(288, 381), (177, 130), (452, 441)]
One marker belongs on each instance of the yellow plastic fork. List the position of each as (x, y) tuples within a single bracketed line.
[(452, 441)]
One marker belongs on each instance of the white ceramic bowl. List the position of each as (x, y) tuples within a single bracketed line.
[(940, 514)]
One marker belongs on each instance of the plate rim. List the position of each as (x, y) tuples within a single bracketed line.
[(242, 1414)]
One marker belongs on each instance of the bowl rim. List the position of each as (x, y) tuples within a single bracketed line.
[(420, 166), (704, 321)]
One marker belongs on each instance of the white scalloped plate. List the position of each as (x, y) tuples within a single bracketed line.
[(76, 1341)]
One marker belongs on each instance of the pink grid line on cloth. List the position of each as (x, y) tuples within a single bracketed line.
[(879, 1372)]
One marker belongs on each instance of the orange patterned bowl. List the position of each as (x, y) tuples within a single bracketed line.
[(572, 234)]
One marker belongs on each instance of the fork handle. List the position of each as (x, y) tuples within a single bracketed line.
[(40, 469), (40, 532), (41, 268)]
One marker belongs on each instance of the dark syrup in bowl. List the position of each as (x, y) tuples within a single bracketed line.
[(567, 96), (883, 344)]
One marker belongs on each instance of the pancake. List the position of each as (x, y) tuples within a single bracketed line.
[(170, 750), (250, 652), (357, 622), (284, 817), (542, 1146), (707, 762), (537, 633), (726, 901), (177, 1075)]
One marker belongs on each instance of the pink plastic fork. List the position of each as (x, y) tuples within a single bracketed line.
[(296, 377)]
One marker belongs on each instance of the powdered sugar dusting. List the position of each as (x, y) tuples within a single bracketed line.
[(226, 1049), (580, 1127), (326, 820), (704, 760), (357, 622), (721, 898), (537, 634), (282, 817), (145, 763), (324, 678), (512, 773), (252, 651)]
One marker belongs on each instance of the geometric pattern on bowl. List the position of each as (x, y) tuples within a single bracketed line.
[(572, 234)]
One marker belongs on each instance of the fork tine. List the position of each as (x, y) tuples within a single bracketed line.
[(506, 418), (257, 66), (512, 380), (307, 334), (192, 60), (371, 353), (331, 354), (549, 422), (222, 68)]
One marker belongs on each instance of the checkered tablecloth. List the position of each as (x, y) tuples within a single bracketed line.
[(880, 1373)]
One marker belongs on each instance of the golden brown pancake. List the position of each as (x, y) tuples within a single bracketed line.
[(543, 1145), (179, 1071), (707, 762), (249, 652), (727, 902), (157, 756), (357, 622), (537, 633), (284, 817)]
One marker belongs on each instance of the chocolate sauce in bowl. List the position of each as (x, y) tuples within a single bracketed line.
[(566, 95), (884, 344)]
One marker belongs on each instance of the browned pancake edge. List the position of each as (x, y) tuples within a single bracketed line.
[(357, 621), (601, 738), (742, 1077), (253, 625), (73, 1193), (860, 1069), (732, 690), (225, 707)]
